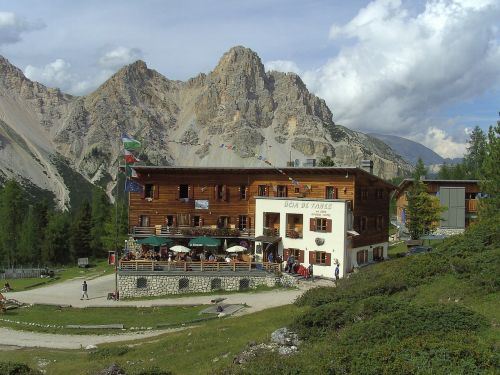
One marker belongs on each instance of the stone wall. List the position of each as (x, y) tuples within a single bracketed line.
[(157, 283)]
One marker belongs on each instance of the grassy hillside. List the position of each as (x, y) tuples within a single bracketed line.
[(432, 313)]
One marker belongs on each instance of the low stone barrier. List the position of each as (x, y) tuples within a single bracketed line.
[(144, 284)]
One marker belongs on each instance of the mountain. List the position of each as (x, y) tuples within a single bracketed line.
[(179, 123), (410, 150)]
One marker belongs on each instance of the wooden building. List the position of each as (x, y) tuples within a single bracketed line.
[(185, 202), (460, 197)]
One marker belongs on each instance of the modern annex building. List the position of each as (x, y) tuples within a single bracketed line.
[(323, 215)]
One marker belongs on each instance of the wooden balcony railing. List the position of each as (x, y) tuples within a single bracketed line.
[(290, 233), (202, 266), (471, 205), (165, 231)]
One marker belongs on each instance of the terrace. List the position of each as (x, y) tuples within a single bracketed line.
[(197, 266), (185, 232)]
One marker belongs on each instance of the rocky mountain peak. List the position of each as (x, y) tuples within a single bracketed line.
[(239, 60)]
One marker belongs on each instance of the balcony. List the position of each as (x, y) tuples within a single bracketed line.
[(471, 205), (181, 232)]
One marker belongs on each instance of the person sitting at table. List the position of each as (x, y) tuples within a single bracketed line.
[(228, 259)]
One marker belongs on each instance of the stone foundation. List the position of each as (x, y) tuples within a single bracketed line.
[(145, 284)]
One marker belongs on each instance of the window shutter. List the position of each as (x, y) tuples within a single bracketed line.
[(329, 225), (201, 221), (174, 221), (301, 256), (139, 221), (328, 259), (156, 192), (335, 193), (246, 192), (249, 226), (312, 225), (275, 190), (286, 191), (143, 193), (267, 190), (215, 192), (192, 221), (178, 192), (190, 191), (225, 193), (312, 257)]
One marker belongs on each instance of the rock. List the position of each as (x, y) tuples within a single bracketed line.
[(283, 336), (90, 347), (114, 369), (287, 350)]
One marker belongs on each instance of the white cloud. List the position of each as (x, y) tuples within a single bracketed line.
[(442, 143), (119, 56), (59, 74), (284, 66), (396, 69), (12, 27)]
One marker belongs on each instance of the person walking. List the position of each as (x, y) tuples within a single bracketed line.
[(84, 290), (337, 274)]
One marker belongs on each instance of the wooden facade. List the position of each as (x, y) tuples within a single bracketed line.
[(168, 201), (472, 190)]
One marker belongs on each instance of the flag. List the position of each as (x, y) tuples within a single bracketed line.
[(129, 157), (130, 143), (133, 186), (131, 172)]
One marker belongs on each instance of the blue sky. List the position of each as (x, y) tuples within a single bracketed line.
[(425, 70)]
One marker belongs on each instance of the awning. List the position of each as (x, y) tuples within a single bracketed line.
[(155, 241), (268, 239), (204, 241), (352, 233)]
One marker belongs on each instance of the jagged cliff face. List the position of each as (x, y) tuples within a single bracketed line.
[(182, 123)]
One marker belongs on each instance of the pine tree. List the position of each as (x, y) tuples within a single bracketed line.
[(55, 247), (326, 161), (100, 215), (476, 152), (81, 237), (29, 239), (490, 181), (423, 210), (12, 211)]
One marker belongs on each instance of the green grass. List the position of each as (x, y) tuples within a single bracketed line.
[(200, 350), (52, 319), (98, 268)]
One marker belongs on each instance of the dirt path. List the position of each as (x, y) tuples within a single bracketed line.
[(68, 293)]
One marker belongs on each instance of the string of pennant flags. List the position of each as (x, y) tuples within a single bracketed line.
[(130, 144), (265, 160)]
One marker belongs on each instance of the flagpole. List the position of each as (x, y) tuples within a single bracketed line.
[(116, 232)]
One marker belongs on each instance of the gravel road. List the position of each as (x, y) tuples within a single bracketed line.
[(69, 292)]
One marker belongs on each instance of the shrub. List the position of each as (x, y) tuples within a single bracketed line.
[(114, 351), (12, 368)]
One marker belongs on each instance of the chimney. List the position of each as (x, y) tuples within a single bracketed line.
[(367, 165)]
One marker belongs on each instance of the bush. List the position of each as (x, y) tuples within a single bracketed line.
[(113, 351), (12, 368)]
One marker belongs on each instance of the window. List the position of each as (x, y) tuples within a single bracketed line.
[(196, 221), (262, 191), (220, 192), (379, 193), (143, 221), (281, 191), (380, 222), (330, 192), (223, 222), (363, 223), (378, 253), (244, 284), (149, 191), (183, 220), (320, 225), (294, 225), (364, 194), (169, 220), (296, 190), (183, 191), (184, 284), (362, 257), (216, 284), (242, 222), (320, 257), (142, 283), (294, 252), (243, 192)]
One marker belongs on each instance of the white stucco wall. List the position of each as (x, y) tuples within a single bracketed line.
[(335, 242)]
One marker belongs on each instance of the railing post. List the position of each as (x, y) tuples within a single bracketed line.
[(201, 265), (234, 266), (249, 266), (185, 266), (218, 266)]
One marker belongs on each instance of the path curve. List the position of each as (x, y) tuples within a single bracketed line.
[(68, 293)]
